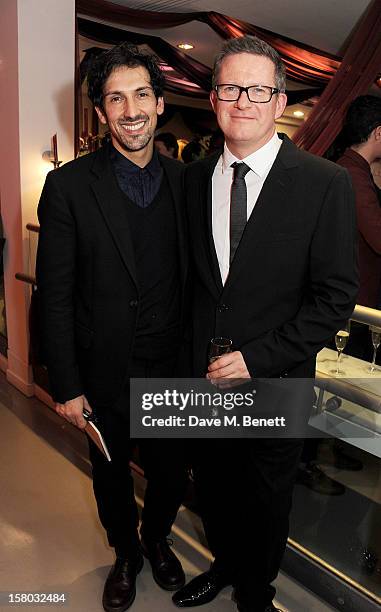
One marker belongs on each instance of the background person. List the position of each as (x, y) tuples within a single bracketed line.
[(362, 134), (166, 144)]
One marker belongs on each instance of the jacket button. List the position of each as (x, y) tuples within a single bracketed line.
[(133, 303), (223, 308)]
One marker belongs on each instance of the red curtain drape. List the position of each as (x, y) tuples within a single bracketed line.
[(134, 18), (303, 63), (359, 68), (78, 93), (194, 71)]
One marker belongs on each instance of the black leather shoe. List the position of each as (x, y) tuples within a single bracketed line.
[(343, 461), (120, 591), (166, 568), (201, 590), (314, 478)]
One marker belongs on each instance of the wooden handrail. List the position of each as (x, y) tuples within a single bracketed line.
[(33, 227), (26, 278)]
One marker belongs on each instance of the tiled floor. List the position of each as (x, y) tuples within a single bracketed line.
[(50, 539)]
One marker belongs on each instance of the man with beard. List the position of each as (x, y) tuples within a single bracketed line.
[(111, 272)]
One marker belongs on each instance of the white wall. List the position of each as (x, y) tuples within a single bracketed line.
[(46, 89), (37, 62)]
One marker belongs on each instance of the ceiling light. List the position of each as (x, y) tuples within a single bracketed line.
[(186, 46), (298, 113)]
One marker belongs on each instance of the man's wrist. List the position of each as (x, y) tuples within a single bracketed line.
[(246, 359)]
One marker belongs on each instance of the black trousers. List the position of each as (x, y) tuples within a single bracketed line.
[(165, 465), (244, 489)]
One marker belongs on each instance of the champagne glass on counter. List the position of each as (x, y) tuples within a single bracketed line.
[(376, 340), (341, 340)]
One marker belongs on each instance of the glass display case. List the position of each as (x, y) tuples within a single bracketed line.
[(336, 519)]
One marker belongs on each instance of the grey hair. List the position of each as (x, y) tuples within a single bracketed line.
[(256, 46)]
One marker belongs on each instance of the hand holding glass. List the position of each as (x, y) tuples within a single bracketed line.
[(219, 347)]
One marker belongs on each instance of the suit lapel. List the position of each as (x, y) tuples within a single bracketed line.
[(206, 208), (113, 208), (174, 177)]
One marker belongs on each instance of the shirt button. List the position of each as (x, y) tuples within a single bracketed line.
[(133, 303)]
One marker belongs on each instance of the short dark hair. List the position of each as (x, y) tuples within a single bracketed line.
[(121, 55), (191, 152), (256, 46), (363, 116), (169, 141)]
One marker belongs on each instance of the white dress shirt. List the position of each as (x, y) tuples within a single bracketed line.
[(260, 163)]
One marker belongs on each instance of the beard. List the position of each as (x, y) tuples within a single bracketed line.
[(135, 143), (130, 141)]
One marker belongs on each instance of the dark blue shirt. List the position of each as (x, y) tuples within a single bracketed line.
[(139, 184)]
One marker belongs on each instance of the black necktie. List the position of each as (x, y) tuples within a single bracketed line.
[(238, 206)]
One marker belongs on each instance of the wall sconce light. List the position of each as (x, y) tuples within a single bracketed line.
[(52, 155)]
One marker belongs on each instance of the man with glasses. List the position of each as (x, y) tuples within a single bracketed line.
[(112, 276), (273, 240)]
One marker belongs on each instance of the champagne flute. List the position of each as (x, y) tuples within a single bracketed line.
[(376, 340), (217, 348), (341, 340)]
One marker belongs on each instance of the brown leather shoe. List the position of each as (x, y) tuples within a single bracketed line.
[(166, 568), (120, 591)]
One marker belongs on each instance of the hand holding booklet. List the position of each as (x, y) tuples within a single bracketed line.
[(94, 434)]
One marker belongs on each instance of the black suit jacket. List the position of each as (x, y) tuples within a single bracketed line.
[(294, 277), (86, 277)]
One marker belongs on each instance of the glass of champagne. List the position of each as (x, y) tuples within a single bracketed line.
[(217, 348), (341, 340), (376, 340)]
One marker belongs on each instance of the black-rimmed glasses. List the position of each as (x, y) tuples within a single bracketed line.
[(228, 92)]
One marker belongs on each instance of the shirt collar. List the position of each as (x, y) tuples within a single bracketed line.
[(358, 159), (259, 161), (128, 167)]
